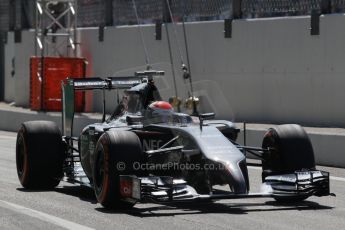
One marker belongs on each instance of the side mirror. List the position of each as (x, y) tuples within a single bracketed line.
[(207, 116)]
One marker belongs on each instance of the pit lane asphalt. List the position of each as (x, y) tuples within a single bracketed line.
[(74, 207)]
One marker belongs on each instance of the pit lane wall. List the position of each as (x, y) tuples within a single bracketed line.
[(327, 142)]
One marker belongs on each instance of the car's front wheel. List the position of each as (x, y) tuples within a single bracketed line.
[(290, 150), (115, 155)]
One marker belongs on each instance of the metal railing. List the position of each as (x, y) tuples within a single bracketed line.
[(20, 14), (273, 8), (4, 15)]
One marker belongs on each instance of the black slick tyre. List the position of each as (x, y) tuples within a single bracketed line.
[(39, 155), (115, 154), (290, 150)]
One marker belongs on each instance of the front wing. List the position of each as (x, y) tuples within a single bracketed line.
[(168, 189)]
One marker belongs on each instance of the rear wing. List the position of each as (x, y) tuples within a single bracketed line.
[(70, 85)]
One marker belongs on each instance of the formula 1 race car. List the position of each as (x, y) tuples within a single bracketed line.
[(146, 152)]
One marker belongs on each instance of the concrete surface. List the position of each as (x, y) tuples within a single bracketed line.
[(10, 62), (74, 207)]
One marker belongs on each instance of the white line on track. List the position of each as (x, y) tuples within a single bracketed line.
[(43, 216), (331, 177)]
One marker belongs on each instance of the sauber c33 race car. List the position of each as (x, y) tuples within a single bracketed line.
[(146, 152)]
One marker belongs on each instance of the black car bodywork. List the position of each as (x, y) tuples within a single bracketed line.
[(178, 157)]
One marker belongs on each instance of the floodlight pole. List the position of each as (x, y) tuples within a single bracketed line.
[(55, 32), (55, 29)]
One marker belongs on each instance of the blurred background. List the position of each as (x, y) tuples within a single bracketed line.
[(20, 14)]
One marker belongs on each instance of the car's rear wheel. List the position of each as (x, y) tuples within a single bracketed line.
[(290, 150), (39, 155), (115, 155)]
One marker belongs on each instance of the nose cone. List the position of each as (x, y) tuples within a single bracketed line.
[(217, 149), (237, 178)]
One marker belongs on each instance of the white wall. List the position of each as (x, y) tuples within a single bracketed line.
[(9, 77), (23, 51), (271, 70)]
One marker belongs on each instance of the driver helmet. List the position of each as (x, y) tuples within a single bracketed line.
[(160, 111)]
